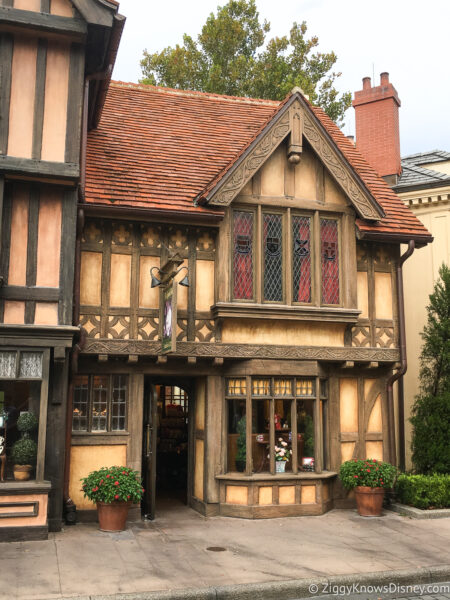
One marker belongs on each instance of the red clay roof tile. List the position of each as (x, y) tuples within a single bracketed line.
[(161, 148)]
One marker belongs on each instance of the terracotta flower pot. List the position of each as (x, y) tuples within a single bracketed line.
[(112, 516), (369, 501), (22, 472)]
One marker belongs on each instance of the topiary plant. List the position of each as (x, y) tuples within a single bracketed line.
[(24, 451), (27, 422)]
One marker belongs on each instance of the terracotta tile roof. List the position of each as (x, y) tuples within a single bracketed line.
[(399, 221), (162, 148)]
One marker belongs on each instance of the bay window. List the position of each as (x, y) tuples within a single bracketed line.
[(266, 412), (285, 257)]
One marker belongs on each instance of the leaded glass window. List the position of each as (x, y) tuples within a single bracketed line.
[(119, 403), (30, 366), (100, 403), (8, 364), (243, 255), (301, 259), (80, 404), (330, 261), (273, 258)]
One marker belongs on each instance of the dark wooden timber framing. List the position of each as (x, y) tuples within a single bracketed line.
[(45, 6), (33, 226), (39, 99), (39, 168), (42, 22), (2, 193), (6, 242), (66, 275), (74, 103), (8, 3), (192, 266), (243, 351), (38, 294), (6, 52)]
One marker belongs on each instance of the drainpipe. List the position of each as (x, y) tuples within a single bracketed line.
[(402, 370)]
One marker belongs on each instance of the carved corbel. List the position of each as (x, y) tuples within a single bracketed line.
[(295, 145)]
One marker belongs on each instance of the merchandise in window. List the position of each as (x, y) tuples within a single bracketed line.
[(100, 403), (288, 425)]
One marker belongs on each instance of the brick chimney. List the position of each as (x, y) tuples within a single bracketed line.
[(377, 130)]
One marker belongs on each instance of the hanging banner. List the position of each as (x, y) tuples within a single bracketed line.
[(168, 317)]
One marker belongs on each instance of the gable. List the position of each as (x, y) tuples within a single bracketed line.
[(305, 182), (295, 122)]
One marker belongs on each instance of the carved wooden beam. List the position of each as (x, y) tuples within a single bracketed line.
[(242, 351)]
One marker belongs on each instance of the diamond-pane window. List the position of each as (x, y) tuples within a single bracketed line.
[(243, 255), (301, 259), (273, 258), (330, 261)]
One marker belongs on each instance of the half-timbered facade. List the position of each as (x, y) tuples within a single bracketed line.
[(193, 285), (51, 53), (289, 330)]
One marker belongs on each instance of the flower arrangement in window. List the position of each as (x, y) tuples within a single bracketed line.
[(282, 455)]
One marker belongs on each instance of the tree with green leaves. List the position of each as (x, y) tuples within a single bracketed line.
[(431, 410), (230, 57)]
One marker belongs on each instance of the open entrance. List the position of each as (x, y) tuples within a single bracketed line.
[(165, 459)]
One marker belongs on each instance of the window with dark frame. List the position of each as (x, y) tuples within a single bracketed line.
[(274, 257), (290, 412), (100, 403)]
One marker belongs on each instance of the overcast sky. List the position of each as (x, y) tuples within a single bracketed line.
[(407, 38)]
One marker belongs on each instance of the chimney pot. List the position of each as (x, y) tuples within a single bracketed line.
[(384, 78), (366, 83)]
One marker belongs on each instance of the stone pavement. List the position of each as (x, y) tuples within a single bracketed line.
[(182, 550)]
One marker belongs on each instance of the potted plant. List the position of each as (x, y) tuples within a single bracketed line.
[(114, 490), (369, 478), (24, 450), (282, 455), (241, 454)]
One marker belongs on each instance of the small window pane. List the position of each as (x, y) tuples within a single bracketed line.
[(8, 364), (330, 261), (30, 365), (260, 435), (305, 429), (243, 255), (283, 387), (273, 258), (80, 403), (100, 404), (119, 403), (237, 387), (261, 387), (301, 259), (237, 452), (283, 432), (305, 387)]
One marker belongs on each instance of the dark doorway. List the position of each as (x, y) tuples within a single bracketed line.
[(165, 443)]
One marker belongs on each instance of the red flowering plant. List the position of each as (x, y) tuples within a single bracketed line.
[(369, 473), (113, 484)]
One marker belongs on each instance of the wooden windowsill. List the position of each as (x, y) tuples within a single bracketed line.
[(252, 310), (308, 475), (9, 488), (100, 438)]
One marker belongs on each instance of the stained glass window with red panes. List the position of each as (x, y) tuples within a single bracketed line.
[(330, 261), (243, 255), (301, 259)]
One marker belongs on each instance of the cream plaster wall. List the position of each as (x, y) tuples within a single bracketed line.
[(420, 274)]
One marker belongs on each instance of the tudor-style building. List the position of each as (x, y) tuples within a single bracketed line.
[(289, 327), (54, 58), (289, 331)]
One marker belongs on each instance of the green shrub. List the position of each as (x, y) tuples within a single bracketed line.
[(424, 491), (431, 439), (110, 484), (371, 473), (241, 454), (24, 451), (27, 422)]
